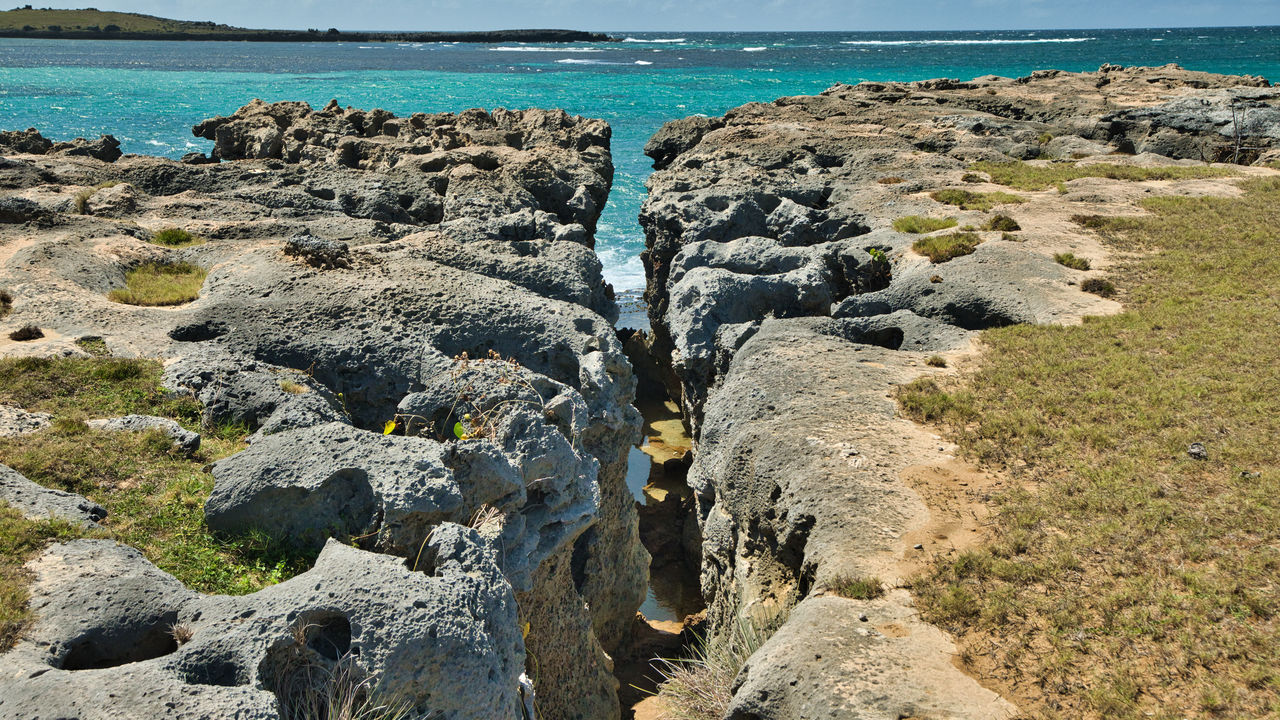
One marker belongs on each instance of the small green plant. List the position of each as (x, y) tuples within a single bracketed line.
[(935, 361), (918, 224), (1003, 223), (1099, 286), (1044, 138), (923, 400), (941, 248), (1071, 260), (175, 237), (1010, 237), (877, 255), (156, 284), (891, 180), (966, 200), (858, 588), (972, 178)]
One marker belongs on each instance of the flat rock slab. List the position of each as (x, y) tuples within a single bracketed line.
[(184, 440), (37, 502), (16, 421)]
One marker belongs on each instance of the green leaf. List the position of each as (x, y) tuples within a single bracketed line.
[(460, 431)]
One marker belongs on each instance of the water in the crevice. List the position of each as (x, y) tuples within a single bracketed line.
[(656, 478)]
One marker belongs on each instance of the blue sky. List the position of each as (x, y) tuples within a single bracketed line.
[(706, 14)]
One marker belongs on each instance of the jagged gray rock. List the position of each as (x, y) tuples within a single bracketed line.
[(183, 439), (37, 502)]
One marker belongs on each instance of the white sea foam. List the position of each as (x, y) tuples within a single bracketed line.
[(754, 49), (507, 48), (657, 40), (580, 61), (643, 62), (966, 42)]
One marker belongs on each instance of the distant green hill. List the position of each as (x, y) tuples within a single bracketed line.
[(92, 20), (93, 24)]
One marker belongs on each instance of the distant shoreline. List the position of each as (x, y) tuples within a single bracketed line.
[(488, 36)]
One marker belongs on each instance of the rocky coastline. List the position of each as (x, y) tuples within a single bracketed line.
[(243, 35), (408, 318)]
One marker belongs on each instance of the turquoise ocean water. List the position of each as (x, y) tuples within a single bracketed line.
[(149, 94)]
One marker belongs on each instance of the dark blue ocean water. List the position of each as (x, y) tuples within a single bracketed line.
[(149, 94)]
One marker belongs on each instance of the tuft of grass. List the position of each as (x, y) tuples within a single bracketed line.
[(94, 345), (175, 237), (1099, 286), (1121, 578), (941, 248), (918, 225), (293, 388), (966, 200), (935, 361), (858, 588), (1045, 138), (1002, 223), (972, 178), (890, 180), (1024, 176), (20, 541), (1070, 260), (6, 304), (92, 387), (156, 284), (700, 687), (26, 332)]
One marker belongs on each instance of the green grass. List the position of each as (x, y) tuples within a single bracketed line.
[(20, 541), (1001, 223), (155, 284), (154, 495), (175, 237), (1072, 261), (1024, 176), (95, 346), (918, 224), (1122, 578), (700, 687), (1099, 286), (941, 248), (858, 588), (966, 200), (935, 361)]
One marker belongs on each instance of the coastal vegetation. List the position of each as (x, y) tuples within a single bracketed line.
[(858, 588), (175, 237), (917, 224), (941, 248), (153, 493), (1129, 573), (700, 686), (1025, 176), (1001, 223), (1071, 260), (154, 284), (967, 200)]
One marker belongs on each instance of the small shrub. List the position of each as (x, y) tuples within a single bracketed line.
[(175, 237), (6, 304), (26, 332), (1091, 222), (858, 588), (1003, 223), (972, 178), (935, 361), (700, 687), (1044, 138), (157, 284), (917, 224), (1009, 237), (941, 248), (1099, 286), (966, 200), (891, 180), (1070, 260)]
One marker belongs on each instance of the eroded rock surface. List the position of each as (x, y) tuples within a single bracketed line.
[(785, 308), (367, 269)]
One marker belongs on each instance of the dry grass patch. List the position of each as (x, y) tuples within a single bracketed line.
[(984, 201), (857, 587), (941, 248), (156, 284), (1024, 176), (1124, 578), (1071, 260), (700, 687), (918, 224)]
